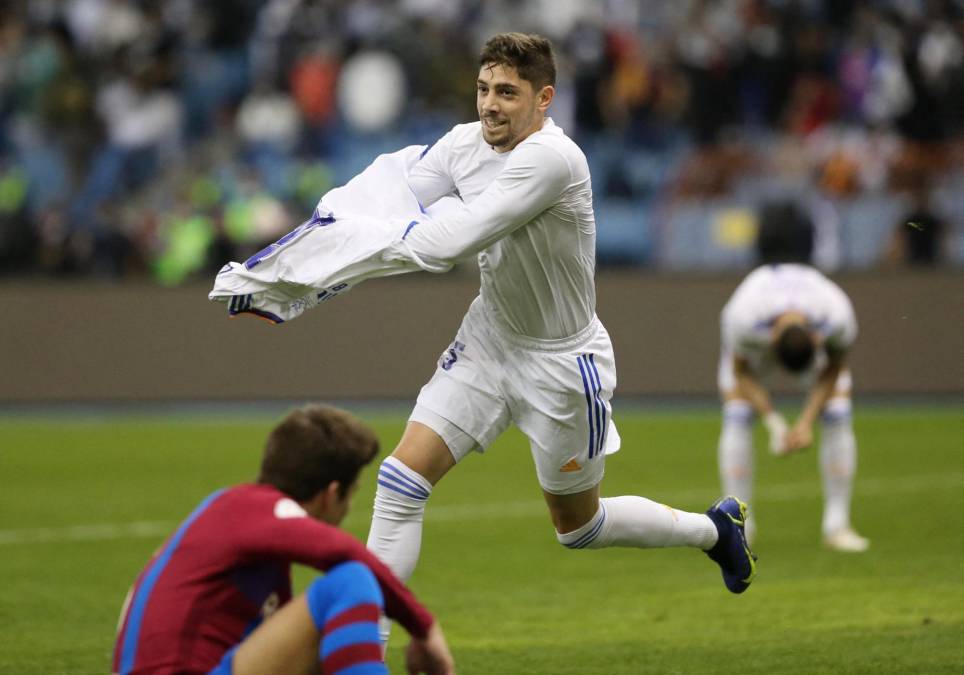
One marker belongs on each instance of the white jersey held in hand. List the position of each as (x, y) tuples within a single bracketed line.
[(346, 241), (393, 218)]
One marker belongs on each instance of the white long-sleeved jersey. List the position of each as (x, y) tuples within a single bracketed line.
[(528, 214), (767, 292)]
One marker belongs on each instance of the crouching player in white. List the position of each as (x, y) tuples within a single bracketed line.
[(530, 350), (792, 317)]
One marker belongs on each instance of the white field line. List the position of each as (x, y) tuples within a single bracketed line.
[(108, 532), (784, 492)]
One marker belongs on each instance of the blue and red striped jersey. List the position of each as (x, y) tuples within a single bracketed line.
[(226, 568)]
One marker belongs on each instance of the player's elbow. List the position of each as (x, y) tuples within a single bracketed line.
[(438, 258)]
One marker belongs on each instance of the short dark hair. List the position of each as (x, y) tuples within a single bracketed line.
[(530, 54), (795, 348), (313, 446), (786, 234)]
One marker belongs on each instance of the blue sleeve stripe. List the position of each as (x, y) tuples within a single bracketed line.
[(399, 490), (585, 386), (402, 478), (143, 594)]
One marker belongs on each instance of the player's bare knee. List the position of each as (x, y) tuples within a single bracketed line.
[(423, 450)]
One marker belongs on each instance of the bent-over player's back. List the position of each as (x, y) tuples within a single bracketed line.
[(771, 290)]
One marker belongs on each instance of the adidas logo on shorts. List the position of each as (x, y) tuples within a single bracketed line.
[(570, 466)]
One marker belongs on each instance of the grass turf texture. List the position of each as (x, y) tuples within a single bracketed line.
[(510, 598)]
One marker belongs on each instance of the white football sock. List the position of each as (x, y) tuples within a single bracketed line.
[(838, 464), (735, 454), (641, 523), (396, 531)]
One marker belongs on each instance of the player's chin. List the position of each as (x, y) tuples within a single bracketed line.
[(495, 139)]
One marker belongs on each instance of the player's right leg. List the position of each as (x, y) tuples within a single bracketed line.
[(334, 624), (405, 482), (460, 410)]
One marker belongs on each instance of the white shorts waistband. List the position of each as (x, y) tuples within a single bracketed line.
[(574, 341)]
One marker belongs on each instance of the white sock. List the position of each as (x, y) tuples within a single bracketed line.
[(735, 450), (735, 454), (641, 523), (838, 464), (396, 531)]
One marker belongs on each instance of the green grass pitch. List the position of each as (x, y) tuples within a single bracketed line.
[(83, 503)]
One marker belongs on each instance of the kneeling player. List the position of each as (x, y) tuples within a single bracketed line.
[(207, 601)]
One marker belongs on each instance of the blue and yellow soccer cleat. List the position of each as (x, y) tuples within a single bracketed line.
[(731, 551)]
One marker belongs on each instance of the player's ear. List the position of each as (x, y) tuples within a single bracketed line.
[(325, 500), (333, 493), (544, 97)]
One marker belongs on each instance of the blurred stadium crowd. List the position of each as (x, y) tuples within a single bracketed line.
[(150, 137)]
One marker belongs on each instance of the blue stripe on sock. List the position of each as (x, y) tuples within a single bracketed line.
[(364, 669), (834, 416), (405, 479), (393, 480), (590, 536), (395, 488), (585, 386), (352, 634), (587, 538)]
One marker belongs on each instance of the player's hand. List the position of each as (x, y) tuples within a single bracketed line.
[(429, 655), (777, 429), (799, 437)]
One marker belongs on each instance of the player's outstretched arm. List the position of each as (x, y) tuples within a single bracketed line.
[(800, 435), (429, 655), (534, 178), (750, 388), (310, 542)]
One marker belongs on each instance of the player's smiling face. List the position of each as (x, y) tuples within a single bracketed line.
[(510, 109)]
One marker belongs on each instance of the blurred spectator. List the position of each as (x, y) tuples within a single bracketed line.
[(135, 131), (785, 235), (919, 238)]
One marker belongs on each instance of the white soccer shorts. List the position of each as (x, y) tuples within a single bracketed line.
[(556, 391)]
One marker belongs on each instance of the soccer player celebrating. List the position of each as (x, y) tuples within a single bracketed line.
[(790, 317), (530, 350), (226, 572)]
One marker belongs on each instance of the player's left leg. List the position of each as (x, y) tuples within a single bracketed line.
[(838, 466), (638, 522), (569, 425), (340, 611)]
